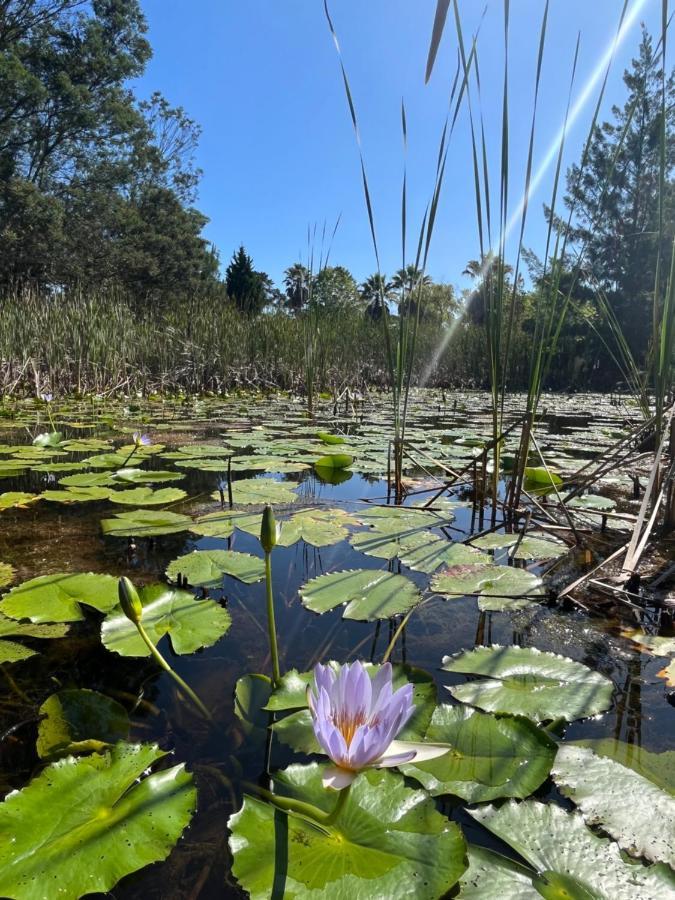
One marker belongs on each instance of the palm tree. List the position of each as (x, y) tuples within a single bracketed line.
[(297, 284), (406, 282), (483, 272), (375, 290)]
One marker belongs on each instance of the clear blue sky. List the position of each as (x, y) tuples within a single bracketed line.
[(278, 151)]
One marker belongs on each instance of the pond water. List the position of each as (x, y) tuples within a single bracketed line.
[(50, 536)]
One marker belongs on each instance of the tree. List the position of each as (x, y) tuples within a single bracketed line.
[(439, 306), (335, 288), (244, 285), (407, 283), (297, 284), (615, 203), (376, 291), (485, 274), (95, 187)]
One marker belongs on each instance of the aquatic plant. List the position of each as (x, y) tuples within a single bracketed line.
[(356, 720), (269, 534)]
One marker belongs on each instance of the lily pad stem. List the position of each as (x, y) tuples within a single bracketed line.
[(271, 623), (306, 811), (159, 659)]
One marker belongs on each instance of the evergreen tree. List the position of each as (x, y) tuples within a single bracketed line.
[(616, 218), (245, 286)]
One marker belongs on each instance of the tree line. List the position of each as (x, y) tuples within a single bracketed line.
[(98, 190)]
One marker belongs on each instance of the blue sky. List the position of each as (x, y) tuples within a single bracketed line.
[(277, 148)]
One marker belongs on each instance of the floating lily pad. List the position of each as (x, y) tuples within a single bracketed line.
[(498, 587), (17, 500), (190, 623), (542, 477), (251, 694), (57, 598), (77, 495), (48, 439), (261, 491), (567, 859), (388, 841), (79, 721), (334, 461), (12, 651), (86, 822), (144, 476), (317, 527), (367, 594), (396, 531), (599, 786), (657, 767), (525, 681), (328, 438), (145, 523), (527, 547), (208, 567), (491, 756), (145, 496), (593, 502), (491, 876)]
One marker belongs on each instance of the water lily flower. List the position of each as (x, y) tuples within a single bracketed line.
[(46, 398), (141, 440), (356, 720)]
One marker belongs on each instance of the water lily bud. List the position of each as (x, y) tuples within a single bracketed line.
[(269, 530), (129, 600)]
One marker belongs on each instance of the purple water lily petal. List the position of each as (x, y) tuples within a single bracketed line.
[(355, 718)]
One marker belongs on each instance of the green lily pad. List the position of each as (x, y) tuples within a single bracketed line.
[(80, 721), (525, 681), (567, 859), (208, 567), (498, 587), (593, 501), (657, 767), (145, 523), (491, 876), (85, 445), (87, 480), (77, 495), (599, 786), (396, 531), (17, 500), (334, 461), (48, 439), (328, 438), (388, 841), (190, 623), (251, 694), (57, 598), (527, 548), (144, 476), (145, 496), (260, 491), (86, 822), (10, 650), (317, 527), (542, 477), (491, 756), (367, 594), (197, 451)]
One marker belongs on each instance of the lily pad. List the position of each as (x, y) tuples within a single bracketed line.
[(86, 822), (317, 527), (145, 496), (77, 495), (498, 587), (12, 651), (525, 681), (145, 523), (48, 439), (567, 859), (594, 502), (144, 476), (527, 547), (260, 491), (190, 623), (491, 876), (80, 721), (657, 767), (57, 598), (334, 461), (599, 786), (368, 594), (208, 567), (388, 841), (491, 756), (17, 500)]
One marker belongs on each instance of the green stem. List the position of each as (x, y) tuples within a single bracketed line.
[(306, 811), (271, 624), (159, 659)]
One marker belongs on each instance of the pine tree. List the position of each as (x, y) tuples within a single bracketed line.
[(617, 218), (245, 286)]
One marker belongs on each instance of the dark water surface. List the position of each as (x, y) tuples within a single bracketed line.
[(49, 537)]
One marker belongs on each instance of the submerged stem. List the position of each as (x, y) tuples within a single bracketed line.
[(307, 811), (159, 659)]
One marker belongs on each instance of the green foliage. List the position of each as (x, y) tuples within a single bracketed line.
[(245, 286)]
